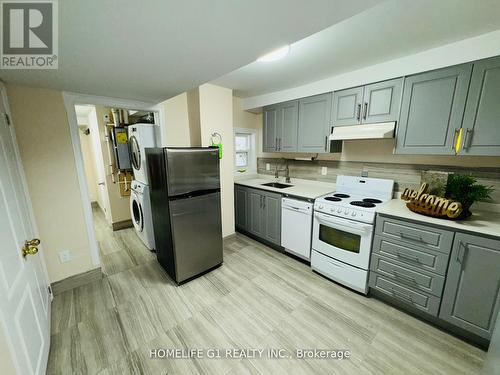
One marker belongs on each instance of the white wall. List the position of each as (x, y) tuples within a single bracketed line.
[(42, 131), (177, 131), (216, 115), (466, 50), (98, 159), (89, 164)]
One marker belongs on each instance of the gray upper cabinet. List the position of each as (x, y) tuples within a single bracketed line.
[(270, 120), (314, 123), (280, 127), (241, 214), (481, 125), (381, 101), (432, 110), (288, 122), (472, 292), (347, 105), (378, 102)]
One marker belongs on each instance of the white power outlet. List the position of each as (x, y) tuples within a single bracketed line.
[(324, 171), (64, 256), (268, 167)]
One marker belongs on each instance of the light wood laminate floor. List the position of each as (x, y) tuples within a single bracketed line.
[(259, 298)]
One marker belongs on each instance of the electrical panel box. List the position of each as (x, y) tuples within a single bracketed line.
[(120, 143)]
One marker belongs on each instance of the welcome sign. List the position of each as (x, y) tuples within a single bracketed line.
[(427, 204)]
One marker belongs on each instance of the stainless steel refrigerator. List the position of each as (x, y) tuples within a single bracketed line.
[(185, 203)]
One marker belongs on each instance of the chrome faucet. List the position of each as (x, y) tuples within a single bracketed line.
[(286, 170)]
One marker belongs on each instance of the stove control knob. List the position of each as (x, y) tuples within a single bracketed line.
[(339, 210), (353, 213), (346, 212), (321, 207)]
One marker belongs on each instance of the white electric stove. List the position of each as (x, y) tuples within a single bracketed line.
[(343, 229)]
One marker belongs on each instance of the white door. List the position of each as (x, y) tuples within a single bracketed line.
[(24, 295)]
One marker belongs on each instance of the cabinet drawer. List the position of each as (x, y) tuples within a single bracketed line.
[(418, 257), (420, 300), (417, 234), (397, 272)]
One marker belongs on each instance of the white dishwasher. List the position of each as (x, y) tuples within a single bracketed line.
[(296, 227)]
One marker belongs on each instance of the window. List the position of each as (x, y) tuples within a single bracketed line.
[(244, 151)]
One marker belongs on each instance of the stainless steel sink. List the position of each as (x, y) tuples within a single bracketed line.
[(276, 185)]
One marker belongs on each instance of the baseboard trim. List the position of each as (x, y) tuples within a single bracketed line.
[(229, 236), (122, 225), (75, 281)]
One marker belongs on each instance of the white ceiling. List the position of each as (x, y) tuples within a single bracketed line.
[(387, 31), (153, 50)]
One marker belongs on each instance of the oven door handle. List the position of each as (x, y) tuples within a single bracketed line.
[(342, 222)]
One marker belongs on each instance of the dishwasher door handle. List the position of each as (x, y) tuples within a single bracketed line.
[(297, 209)]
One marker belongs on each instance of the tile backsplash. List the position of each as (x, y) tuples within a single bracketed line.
[(404, 175)]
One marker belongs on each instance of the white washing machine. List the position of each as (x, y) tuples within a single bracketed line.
[(140, 210), (140, 136)]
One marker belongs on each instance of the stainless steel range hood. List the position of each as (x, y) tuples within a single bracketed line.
[(366, 131)]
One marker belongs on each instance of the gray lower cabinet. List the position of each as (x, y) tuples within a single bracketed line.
[(453, 277), (472, 292), (241, 213), (378, 102), (432, 110), (481, 125), (258, 212), (272, 219), (314, 123)]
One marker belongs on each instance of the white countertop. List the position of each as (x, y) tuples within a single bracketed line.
[(481, 222), (301, 188)]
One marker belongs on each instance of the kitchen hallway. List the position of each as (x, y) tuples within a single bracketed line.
[(258, 299)]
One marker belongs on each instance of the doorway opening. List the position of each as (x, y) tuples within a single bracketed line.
[(106, 156)]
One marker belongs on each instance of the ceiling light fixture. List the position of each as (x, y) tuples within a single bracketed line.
[(275, 55)]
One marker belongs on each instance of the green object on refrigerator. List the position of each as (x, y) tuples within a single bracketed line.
[(216, 141)]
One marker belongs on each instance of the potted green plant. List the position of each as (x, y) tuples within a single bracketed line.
[(465, 189)]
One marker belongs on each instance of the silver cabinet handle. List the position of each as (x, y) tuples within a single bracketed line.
[(398, 275), (455, 139), (461, 258), (279, 140), (263, 202), (276, 144), (365, 112), (413, 237), (326, 143), (408, 257), (358, 116), (467, 140)]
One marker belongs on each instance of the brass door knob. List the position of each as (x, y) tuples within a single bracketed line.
[(30, 247), (33, 242)]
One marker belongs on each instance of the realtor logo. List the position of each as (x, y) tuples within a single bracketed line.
[(29, 35)]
